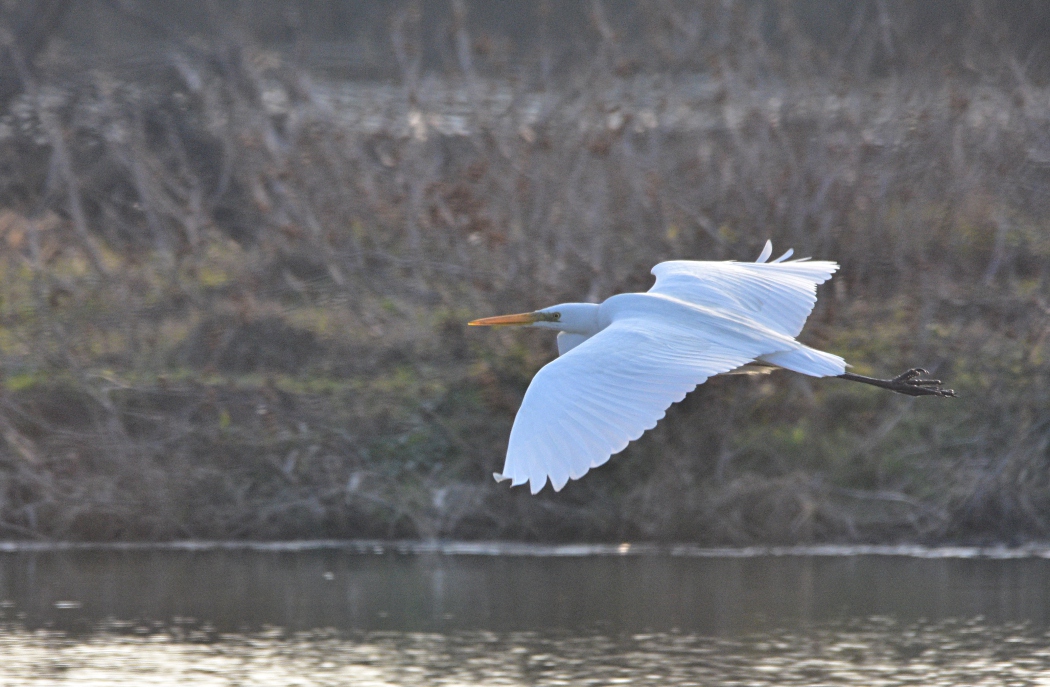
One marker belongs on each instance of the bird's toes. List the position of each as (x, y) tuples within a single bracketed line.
[(912, 384), (911, 374), (937, 391)]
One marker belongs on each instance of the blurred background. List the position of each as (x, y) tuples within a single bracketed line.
[(239, 243)]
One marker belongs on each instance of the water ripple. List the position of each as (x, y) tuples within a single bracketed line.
[(872, 651), (500, 548)]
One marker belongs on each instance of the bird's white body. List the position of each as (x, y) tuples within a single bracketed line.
[(624, 362)]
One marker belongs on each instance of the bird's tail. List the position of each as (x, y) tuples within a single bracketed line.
[(808, 361)]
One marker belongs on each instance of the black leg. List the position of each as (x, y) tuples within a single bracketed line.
[(910, 383)]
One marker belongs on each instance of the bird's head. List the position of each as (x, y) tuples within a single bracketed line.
[(576, 318)]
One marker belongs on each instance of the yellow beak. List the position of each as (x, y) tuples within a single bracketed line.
[(506, 320)]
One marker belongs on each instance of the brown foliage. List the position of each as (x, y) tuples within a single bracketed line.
[(233, 288)]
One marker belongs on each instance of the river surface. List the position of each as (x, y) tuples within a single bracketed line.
[(368, 613)]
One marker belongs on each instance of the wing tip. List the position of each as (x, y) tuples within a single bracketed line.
[(537, 485), (767, 250)]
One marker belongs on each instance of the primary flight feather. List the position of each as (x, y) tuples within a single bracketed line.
[(622, 363)]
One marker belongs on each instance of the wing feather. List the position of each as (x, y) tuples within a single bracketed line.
[(606, 392), (777, 295)]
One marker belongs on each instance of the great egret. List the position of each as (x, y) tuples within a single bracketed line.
[(624, 362)]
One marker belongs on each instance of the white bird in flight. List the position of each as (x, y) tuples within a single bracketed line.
[(622, 363)]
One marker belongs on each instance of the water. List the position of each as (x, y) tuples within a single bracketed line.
[(370, 614)]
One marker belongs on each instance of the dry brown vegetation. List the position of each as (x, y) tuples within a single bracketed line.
[(234, 288)]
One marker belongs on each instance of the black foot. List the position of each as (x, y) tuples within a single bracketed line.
[(910, 383)]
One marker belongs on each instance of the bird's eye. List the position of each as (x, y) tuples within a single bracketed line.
[(557, 315)]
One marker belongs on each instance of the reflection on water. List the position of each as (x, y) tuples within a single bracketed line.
[(861, 652), (344, 589), (335, 616)]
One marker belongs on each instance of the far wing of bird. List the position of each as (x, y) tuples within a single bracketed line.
[(606, 392), (568, 341), (777, 295)]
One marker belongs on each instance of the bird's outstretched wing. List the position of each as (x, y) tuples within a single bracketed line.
[(606, 392), (778, 295)]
